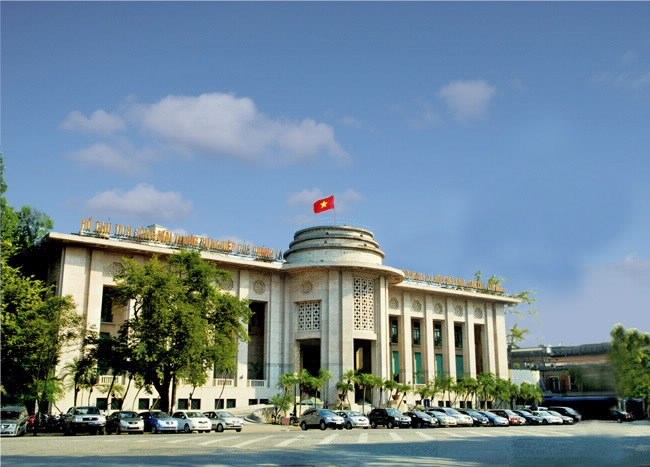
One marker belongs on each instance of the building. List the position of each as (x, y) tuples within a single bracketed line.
[(328, 302)]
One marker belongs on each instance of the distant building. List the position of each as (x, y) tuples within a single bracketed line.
[(328, 302), (566, 369)]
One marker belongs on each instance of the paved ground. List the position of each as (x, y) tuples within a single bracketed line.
[(588, 443)]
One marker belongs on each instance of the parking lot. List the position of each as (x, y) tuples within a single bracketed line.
[(599, 443)]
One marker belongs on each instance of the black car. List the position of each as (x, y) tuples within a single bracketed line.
[(390, 418), (477, 418), (530, 418), (421, 419), (620, 416)]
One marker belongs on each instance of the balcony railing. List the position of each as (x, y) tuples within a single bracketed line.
[(256, 383), (223, 382)]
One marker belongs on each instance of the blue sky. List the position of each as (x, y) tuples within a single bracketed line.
[(511, 138)]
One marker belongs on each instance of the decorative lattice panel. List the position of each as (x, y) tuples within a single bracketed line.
[(364, 304), (308, 315), (417, 306), (478, 313), (393, 303), (437, 308), (458, 311)]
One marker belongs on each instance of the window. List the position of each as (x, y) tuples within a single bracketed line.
[(437, 334), (460, 367), (394, 332), (252, 401), (458, 336), (396, 366), (196, 404), (218, 404), (183, 404), (231, 403), (440, 366), (102, 403), (107, 305), (116, 403), (417, 366), (143, 404), (416, 332), (264, 401)]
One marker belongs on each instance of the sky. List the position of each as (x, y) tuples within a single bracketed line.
[(507, 138)]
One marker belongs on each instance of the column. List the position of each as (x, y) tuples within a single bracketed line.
[(241, 375), (488, 343), (500, 340), (449, 348), (405, 342), (274, 332), (469, 350), (427, 341)]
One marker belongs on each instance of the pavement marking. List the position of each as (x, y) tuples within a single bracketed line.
[(424, 435), (287, 442), (217, 440), (176, 441), (455, 435), (363, 438), (329, 439), (395, 436), (250, 441)]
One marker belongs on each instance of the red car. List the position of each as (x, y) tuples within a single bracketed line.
[(512, 417)]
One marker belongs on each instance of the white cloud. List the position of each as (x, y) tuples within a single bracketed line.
[(99, 122), (609, 294), (107, 157), (623, 79), (143, 202), (467, 99), (227, 125), (350, 122)]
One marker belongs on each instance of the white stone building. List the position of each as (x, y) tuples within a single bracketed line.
[(328, 302)]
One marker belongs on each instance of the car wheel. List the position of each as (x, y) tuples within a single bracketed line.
[(544, 422), (373, 424), (340, 427), (186, 428), (390, 425), (118, 430), (238, 430), (303, 425), (102, 430), (323, 426), (348, 425), (154, 430), (219, 428)]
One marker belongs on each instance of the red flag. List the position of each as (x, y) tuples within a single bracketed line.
[(324, 204)]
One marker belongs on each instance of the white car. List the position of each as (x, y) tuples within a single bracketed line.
[(353, 419), (13, 420), (192, 420), (443, 418), (461, 418), (222, 420), (548, 418)]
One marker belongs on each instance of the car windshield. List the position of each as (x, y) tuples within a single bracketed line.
[(393, 412), (419, 414), (86, 411), (451, 411), (355, 414), (128, 415), (326, 412), (224, 414), (195, 415), (9, 415), (159, 415), (553, 412)]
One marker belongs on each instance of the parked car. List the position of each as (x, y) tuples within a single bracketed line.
[(124, 422), (222, 420), (494, 419), (620, 415), (442, 418), (461, 418), (321, 418), (192, 420), (548, 418), (530, 418), (477, 418), (569, 412), (157, 421), (352, 419), (421, 419), (84, 419), (566, 420), (13, 420), (390, 418), (513, 418)]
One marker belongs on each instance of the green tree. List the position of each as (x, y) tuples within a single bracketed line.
[(486, 387), (345, 386), (181, 326), (630, 357)]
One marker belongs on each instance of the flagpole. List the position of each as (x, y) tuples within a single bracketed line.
[(334, 214)]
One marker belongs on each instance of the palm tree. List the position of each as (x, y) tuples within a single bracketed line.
[(486, 387), (375, 381), (364, 380), (287, 382), (403, 388), (447, 386), (471, 386), (76, 370), (502, 391), (346, 385), (437, 386), (324, 376), (424, 392)]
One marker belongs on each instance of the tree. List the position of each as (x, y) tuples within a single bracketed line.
[(486, 387), (324, 377), (345, 386), (181, 326), (630, 357)]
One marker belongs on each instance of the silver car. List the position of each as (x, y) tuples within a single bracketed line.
[(461, 418), (321, 418), (222, 420), (352, 419), (443, 419), (13, 420), (548, 418)]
